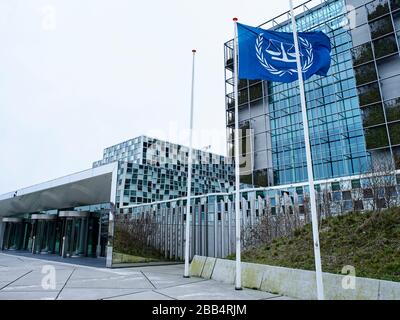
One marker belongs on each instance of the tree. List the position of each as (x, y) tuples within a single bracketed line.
[(134, 235), (381, 183)]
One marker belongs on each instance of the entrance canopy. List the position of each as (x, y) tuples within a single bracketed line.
[(93, 186)]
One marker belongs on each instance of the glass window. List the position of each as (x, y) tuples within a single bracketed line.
[(376, 137), (365, 73), (385, 46), (369, 94), (372, 115), (261, 178), (242, 83), (362, 53), (246, 178), (394, 132), (377, 8), (355, 184), (381, 27), (392, 109), (335, 186), (346, 195), (396, 155), (243, 96), (336, 196), (395, 4), (256, 91)]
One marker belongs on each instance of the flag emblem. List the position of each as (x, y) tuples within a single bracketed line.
[(283, 52)]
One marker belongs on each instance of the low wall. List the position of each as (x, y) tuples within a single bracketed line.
[(294, 283)]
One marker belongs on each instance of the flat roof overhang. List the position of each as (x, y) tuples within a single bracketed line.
[(92, 186)]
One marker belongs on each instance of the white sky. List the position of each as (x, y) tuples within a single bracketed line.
[(77, 76)]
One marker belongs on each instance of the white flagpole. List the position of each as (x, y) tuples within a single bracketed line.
[(238, 281), (314, 219), (189, 180)]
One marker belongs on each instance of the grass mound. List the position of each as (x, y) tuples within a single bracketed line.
[(368, 241)]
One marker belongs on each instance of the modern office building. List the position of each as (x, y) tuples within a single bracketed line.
[(154, 170), (354, 112), (70, 216)]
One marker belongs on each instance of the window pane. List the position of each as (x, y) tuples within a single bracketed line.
[(256, 91), (362, 53), (260, 178), (392, 108), (243, 96), (372, 115), (381, 27), (242, 83), (376, 137), (355, 184), (394, 131), (395, 4), (365, 73), (369, 94), (385, 46), (246, 178), (377, 9), (396, 155)]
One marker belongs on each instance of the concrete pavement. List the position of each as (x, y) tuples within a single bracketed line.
[(23, 278)]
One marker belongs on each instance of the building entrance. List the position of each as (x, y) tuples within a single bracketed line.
[(14, 234), (68, 234), (80, 234)]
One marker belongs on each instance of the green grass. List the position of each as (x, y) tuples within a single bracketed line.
[(368, 241), (126, 258)]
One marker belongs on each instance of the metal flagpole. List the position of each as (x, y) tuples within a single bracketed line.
[(314, 219), (238, 281), (189, 180)]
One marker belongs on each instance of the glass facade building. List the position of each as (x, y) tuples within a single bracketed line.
[(154, 170), (346, 110), (376, 65)]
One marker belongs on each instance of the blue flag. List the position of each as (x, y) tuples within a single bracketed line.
[(270, 55)]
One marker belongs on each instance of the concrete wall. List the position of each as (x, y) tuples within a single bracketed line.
[(295, 283)]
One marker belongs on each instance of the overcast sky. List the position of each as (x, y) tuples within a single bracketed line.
[(77, 76)]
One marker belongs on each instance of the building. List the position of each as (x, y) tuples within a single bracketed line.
[(153, 170), (72, 216), (354, 112)]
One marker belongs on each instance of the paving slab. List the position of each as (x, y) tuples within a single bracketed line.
[(31, 288), (12, 275), (168, 269), (169, 280), (80, 274), (146, 295), (31, 295), (36, 278), (120, 282), (210, 289), (90, 294)]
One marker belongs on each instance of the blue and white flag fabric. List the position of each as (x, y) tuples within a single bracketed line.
[(270, 55)]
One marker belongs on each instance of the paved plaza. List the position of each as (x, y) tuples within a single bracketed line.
[(23, 277)]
